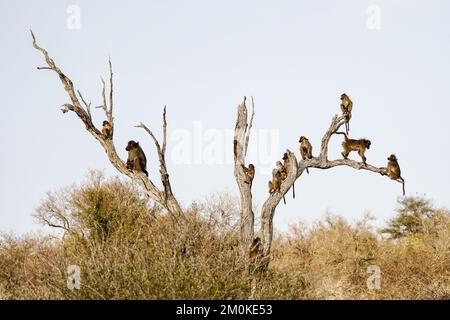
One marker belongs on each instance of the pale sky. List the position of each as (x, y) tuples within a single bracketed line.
[(200, 58)]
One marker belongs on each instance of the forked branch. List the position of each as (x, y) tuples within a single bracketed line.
[(168, 194), (165, 198), (294, 171)]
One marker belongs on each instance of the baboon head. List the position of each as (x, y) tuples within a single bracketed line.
[(367, 143), (302, 138), (131, 145), (251, 166), (392, 157)]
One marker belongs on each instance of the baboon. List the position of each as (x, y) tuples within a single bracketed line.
[(249, 174), (350, 145), (282, 169), (305, 149), (275, 183), (107, 130), (393, 170), (136, 157), (255, 256), (285, 159), (285, 170), (235, 148), (255, 248), (346, 108)]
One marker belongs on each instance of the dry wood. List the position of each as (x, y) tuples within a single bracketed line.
[(165, 197), (295, 171)]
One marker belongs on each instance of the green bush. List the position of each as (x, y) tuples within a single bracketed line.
[(127, 248)]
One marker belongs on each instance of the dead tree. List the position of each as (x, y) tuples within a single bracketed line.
[(295, 170), (78, 105), (165, 197), (241, 140)]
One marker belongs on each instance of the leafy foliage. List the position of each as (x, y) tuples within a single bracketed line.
[(416, 216)]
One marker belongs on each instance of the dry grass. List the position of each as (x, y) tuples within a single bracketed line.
[(333, 257), (127, 249)]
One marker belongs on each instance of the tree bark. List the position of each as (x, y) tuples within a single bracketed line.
[(295, 171), (269, 206), (165, 198), (240, 144)]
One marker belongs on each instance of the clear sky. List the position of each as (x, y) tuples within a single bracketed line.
[(200, 58)]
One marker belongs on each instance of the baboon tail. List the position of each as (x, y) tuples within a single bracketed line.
[(293, 190), (345, 135), (338, 132), (284, 199), (307, 171)]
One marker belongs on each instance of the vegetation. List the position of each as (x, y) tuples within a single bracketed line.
[(128, 248), (283, 178)]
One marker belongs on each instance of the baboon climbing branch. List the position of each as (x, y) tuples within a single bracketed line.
[(295, 170)]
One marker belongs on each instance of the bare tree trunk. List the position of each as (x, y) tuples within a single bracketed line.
[(269, 206), (166, 198), (240, 145), (295, 170)]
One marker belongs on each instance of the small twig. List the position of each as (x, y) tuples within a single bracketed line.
[(247, 138), (53, 225), (161, 156), (143, 126), (88, 106), (164, 132), (105, 107), (110, 116)]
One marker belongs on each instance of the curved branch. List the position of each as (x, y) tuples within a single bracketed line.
[(349, 163), (155, 141), (168, 194), (269, 206), (68, 87), (295, 172), (336, 123), (110, 113), (166, 200), (164, 147), (249, 128), (87, 105)]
